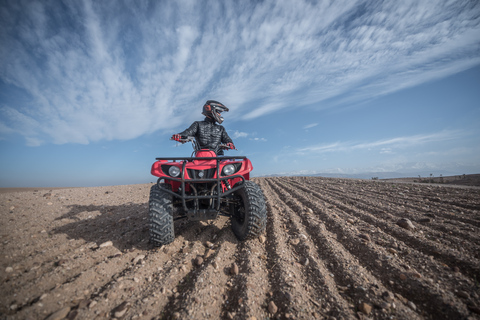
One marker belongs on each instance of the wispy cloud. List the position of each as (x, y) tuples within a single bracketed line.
[(384, 145), (89, 71), (308, 126)]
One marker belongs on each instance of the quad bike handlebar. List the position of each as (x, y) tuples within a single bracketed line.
[(196, 146)]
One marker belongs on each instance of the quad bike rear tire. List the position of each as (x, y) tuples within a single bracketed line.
[(160, 214), (249, 216)]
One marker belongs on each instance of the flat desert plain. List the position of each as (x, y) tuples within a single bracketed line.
[(332, 249)]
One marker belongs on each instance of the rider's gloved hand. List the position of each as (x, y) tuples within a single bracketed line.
[(230, 145), (176, 137)]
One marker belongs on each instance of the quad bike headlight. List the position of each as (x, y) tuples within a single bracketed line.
[(174, 171), (229, 169)]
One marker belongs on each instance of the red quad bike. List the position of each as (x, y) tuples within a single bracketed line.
[(200, 188)]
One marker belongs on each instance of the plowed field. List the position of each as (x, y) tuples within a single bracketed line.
[(332, 250)]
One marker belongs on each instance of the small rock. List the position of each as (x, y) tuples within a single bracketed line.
[(208, 244), (138, 258), (234, 269), (365, 308), (351, 221), (412, 305), (120, 310), (13, 307), (61, 262), (262, 239), (295, 241), (309, 211), (106, 244), (272, 308), (388, 296), (424, 220), (215, 265), (8, 269), (391, 250), (383, 305), (60, 314), (198, 261), (92, 304), (403, 276), (406, 224), (415, 274), (456, 269), (463, 294), (176, 315), (364, 237), (306, 262), (209, 253)]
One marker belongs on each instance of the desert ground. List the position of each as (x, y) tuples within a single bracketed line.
[(332, 249)]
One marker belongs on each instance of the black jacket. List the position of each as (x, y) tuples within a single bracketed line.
[(208, 134)]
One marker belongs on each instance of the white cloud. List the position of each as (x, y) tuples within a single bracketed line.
[(91, 71), (308, 126), (385, 145), (239, 134)]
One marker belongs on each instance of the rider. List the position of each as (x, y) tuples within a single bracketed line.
[(208, 133)]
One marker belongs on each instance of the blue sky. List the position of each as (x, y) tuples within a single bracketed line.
[(91, 91)]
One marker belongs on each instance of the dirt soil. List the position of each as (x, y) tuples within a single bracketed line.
[(333, 249)]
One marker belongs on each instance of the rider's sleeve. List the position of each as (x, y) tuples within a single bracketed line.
[(191, 131), (225, 137)]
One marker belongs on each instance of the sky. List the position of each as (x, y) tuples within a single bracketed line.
[(91, 91)]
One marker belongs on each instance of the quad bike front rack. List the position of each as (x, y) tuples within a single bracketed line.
[(196, 213)]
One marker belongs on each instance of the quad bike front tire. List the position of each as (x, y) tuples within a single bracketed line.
[(249, 215), (160, 214)]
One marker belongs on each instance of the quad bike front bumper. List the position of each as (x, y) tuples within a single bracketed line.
[(217, 193)]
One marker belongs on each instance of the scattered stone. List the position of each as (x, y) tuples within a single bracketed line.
[(13, 307), (215, 265), (383, 305), (106, 244), (306, 262), (309, 211), (272, 308), (412, 305), (463, 294), (406, 224), (415, 274), (403, 276), (138, 259), (351, 221), (365, 308), (234, 269), (198, 261), (391, 250), (208, 244), (364, 237), (92, 304), (120, 310), (388, 296), (60, 314), (262, 239), (209, 253), (8, 269), (295, 241)]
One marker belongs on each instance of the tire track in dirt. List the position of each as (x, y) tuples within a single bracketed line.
[(356, 281), (435, 231), (368, 255), (448, 256)]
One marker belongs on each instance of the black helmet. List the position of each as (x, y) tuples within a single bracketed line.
[(212, 109)]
